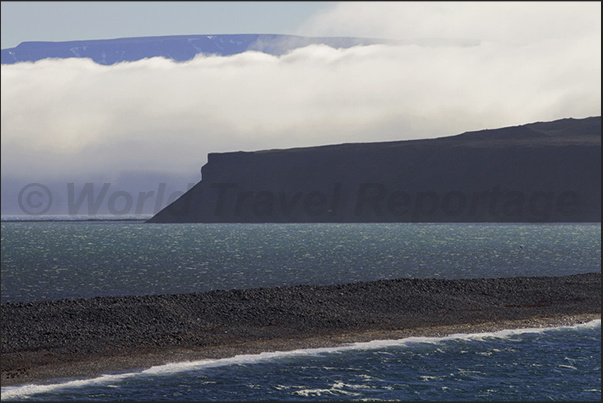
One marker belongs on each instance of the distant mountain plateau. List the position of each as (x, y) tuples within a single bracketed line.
[(181, 48)]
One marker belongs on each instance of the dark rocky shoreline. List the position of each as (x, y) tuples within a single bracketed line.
[(80, 337)]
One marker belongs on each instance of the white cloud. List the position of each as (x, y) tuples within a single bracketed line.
[(63, 118), (509, 22)]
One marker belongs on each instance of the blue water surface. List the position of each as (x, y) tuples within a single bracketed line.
[(56, 260)]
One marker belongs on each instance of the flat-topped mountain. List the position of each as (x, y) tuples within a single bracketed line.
[(185, 47), (539, 172)]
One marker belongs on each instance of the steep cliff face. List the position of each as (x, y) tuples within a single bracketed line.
[(540, 172)]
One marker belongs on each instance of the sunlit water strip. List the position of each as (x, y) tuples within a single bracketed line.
[(61, 389), (52, 261)]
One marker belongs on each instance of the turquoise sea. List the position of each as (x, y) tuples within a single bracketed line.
[(56, 260)]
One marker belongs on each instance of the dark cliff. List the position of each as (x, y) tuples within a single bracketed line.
[(539, 172)]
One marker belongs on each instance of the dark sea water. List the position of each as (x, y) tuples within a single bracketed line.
[(56, 260)]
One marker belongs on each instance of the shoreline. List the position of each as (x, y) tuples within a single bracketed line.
[(88, 337), (54, 374)]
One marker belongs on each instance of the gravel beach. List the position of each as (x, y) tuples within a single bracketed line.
[(86, 337)]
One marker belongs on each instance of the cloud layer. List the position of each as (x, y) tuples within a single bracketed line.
[(74, 119), (518, 23)]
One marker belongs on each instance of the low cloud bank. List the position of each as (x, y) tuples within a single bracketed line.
[(64, 115)]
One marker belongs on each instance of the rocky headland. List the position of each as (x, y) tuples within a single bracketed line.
[(539, 172)]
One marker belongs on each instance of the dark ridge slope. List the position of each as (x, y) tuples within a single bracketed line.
[(539, 172)]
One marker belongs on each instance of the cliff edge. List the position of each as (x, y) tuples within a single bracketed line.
[(539, 172)]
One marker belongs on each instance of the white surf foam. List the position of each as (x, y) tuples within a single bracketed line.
[(28, 390)]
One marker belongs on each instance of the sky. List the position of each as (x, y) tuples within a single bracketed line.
[(138, 124), (65, 21)]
